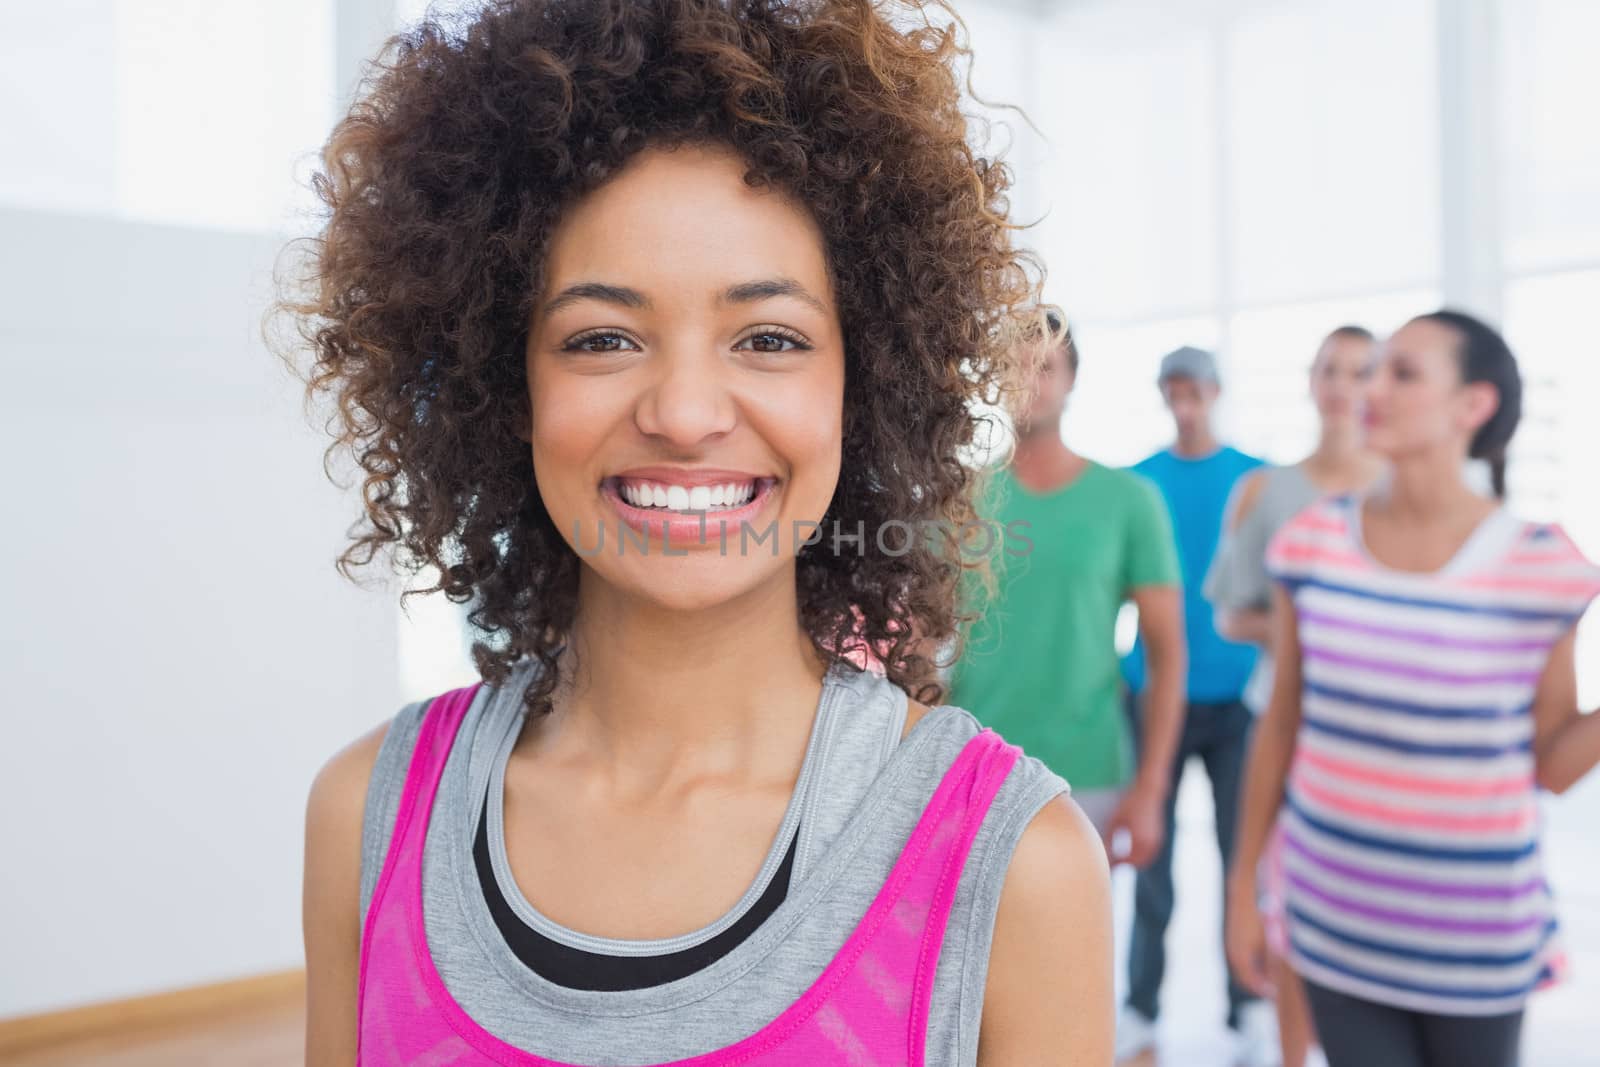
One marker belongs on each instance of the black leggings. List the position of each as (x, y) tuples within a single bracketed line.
[(1359, 1033)]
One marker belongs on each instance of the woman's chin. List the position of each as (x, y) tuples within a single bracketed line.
[(689, 583), (1384, 446)]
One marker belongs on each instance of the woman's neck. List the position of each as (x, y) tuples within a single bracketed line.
[(658, 695), (1429, 488)]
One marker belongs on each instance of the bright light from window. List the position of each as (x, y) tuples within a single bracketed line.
[(410, 12), (1548, 323), (1126, 104), (1333, 169), (1550, 85), (187, 112)]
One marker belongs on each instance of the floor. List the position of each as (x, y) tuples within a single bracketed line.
[(1559, 1023), (270, 1035)]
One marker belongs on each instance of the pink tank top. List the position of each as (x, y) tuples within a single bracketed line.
[(868, 1007)]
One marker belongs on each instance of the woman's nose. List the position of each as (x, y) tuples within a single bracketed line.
[(688, 401), (1373, 387)]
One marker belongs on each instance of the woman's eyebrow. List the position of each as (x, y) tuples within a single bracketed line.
[(609, 294), (749, 292), (743, 293)]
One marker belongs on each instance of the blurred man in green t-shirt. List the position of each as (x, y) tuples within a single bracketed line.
[(1040, 665)]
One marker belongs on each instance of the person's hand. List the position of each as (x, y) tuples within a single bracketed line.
[(1247, 939), (1142, 814)]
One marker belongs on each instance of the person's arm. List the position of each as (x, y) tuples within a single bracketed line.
[(331, 901), (1153, 580), (1142, 811), (1252, 626), (1049, 996), (1271, 752), (1566, 741)]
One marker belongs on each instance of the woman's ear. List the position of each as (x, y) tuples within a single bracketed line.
[(1480, 400)]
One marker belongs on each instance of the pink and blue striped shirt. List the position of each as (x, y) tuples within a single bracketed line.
[(1411, 818)]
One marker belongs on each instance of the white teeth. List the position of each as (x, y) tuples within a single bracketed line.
[(686, 498)]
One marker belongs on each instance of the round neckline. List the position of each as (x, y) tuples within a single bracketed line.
[(825, 871), (1059, 491), (1478, 544), (1172, 451), (528, 912)]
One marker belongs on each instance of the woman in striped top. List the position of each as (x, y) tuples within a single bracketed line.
[(1425, 692)]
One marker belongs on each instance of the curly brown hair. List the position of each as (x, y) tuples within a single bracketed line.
[(442, 186)]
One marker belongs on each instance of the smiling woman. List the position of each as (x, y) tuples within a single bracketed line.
[(469, 185), (730, 348), (645, 320)]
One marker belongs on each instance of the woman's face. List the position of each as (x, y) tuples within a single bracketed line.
[(1416, 400), (686, 380), (1339, 379)]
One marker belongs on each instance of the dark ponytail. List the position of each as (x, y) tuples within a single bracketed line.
[(1485, 357), (1497, 472)]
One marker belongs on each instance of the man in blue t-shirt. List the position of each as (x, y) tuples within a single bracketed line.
[(1195, 476)]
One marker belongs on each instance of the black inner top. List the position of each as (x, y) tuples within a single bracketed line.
[(577, 968)]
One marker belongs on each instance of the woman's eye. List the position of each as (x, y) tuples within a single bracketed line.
[(601, 342), (771, 341)]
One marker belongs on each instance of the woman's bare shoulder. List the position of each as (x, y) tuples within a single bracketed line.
[(339, 791), (1052, 945)]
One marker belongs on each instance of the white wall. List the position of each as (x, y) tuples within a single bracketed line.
[(179, 653)]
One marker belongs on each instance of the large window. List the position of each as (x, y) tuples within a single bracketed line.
[(1331, 149), (1232, 177), (1550, 234), (1550, 97), (1128, 185), (1251, 175)]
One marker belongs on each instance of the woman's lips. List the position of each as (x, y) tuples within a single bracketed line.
[(714, 528)]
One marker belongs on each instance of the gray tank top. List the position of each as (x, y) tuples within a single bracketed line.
[(860, 791), (1237, 579)]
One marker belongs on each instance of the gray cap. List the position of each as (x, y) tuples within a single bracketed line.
[(1189, 362)]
